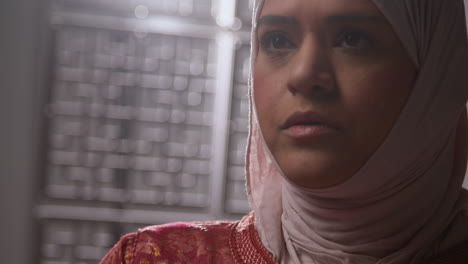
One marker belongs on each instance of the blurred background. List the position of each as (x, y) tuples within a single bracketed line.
[(118, 114)]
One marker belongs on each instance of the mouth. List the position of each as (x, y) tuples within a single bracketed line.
[(308, 124)]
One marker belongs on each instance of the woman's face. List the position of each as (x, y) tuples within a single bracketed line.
[(331, 77)]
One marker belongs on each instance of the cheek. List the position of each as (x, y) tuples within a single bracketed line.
[(375, 96), (268, 99), (383, 83), (259, 92), (265, 91), (389, 88)]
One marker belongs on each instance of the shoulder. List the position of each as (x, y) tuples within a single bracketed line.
[(246, 245), (181, 242), (122, 252), (192, 242), (200, 230)]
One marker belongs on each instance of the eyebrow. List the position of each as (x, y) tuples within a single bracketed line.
[(340, 18), (355, 17), (277, 20)]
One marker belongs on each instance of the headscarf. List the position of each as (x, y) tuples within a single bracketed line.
[(406, 202)]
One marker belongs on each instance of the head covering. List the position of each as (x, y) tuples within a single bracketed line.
[(406, 202)]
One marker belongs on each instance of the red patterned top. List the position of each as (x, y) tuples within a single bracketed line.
[(212, 242)]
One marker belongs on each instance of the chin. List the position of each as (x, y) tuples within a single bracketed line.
[(316, 168), (314, 177)]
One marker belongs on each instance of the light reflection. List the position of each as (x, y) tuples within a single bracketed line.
[(141, 11)]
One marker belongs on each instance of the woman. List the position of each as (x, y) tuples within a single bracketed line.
[(357, 148)]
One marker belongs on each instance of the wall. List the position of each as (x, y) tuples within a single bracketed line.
[(20, 22)]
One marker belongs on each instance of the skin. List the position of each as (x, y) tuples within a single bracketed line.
[(342, 61)]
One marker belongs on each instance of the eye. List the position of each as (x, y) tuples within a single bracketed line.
[(276, 41), (353, 39)]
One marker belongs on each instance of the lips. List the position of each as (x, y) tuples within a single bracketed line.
[(308, 124), (308, 118)]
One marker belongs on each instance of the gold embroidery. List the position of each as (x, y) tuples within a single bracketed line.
[(144, 261), (155, 251)]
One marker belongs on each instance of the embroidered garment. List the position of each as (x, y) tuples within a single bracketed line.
[(196, 242), (213, 242)]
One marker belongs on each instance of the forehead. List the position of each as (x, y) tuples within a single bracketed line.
[(317, 9)]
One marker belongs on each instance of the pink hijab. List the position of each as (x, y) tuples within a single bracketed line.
[(407, 202)]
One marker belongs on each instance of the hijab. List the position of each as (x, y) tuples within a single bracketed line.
[(406, 202)]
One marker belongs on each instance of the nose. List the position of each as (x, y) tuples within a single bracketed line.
[(310, 71)]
